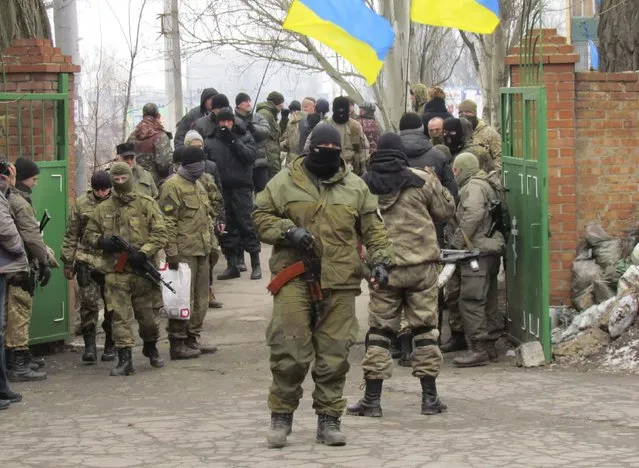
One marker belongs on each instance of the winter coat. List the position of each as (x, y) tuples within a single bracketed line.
[(260, 130), (144, 182), (28, 226), (13, 258), (291, 137), (489, 138), (269, 112), (206, 125), (74, 247), (371, 128), (235, 161), (187, 210), (435, 108), (153, 148), (339, 215), (188, 121), (410, 216), (421, 96)]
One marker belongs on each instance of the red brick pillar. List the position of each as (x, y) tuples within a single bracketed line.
[(558, 59), (34, 66)]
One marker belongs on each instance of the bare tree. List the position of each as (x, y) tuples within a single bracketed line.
[(435, 52), (132, 36), (619, 35), (23, 19)]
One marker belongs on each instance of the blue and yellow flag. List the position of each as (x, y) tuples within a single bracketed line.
[(348, 27), (479, 16)]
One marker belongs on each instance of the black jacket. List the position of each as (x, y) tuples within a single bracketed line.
[(188, 121), (435, 108), (421, 153), (234, 161)]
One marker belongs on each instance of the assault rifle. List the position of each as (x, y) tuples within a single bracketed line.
[(146, 270), (45, 220), (30, 280), (451, 258)]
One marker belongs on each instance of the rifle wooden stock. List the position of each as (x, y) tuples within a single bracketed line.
[(287, 274)]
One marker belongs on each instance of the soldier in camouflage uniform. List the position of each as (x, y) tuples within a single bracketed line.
[(302, 209), (77, 258), (137, 219), (369, 124), (19, 304), (483, 134), (143, 179), (187, 211), (419, 97), (270, 110), (410, 201), (458, 136), (291, 137), (355, 146), (152, 144)]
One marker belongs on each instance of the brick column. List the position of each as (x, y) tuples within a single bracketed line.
[(558, 59)]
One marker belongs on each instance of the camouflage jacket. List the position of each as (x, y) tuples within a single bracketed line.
[(187, 212), (473, 216), (291, 138), (339, 213), (355, 147), (153, 148), (134, 217), (74, 249), (481, 153), (269, 112), (144, 182), (28, 227), (372, 130), (409, 217), (489, 138)]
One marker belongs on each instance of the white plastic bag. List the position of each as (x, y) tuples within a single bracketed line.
[(176, 306)]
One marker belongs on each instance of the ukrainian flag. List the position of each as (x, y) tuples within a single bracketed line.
[(348, 27), (479, 16)]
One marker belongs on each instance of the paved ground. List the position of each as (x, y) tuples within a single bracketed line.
[(211, 412)]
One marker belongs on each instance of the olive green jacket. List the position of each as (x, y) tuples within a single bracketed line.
[(339, 214), (144, 182), (28, 226), (74, 248)]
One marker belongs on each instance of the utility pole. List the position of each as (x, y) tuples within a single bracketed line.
[(173, 63), (65, 20)]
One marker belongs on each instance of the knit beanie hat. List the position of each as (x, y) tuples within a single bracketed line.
[(341, 109), (100, 180), (410, 121), (322, 106), (25, 169), (225, 114), (275, 97), (324, 134), (192, 154), (467, 162), (295, 106), (219, 101), (390, 141), (468, 106), (241, 97), (191, 136)]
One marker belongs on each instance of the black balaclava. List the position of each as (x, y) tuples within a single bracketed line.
[(341, 109), (453, 135), (324, 162)]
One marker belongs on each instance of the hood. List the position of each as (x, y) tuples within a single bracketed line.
[(465, 177), (206, 93), (268, 106), (420, 92), (436, 105), (415, 142), (296, 117), (147, 128), (301, 178)]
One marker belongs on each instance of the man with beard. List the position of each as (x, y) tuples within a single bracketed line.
[(436, 131), (260, 130), (232, 148), (77, 257), (270, 110), (188, 121), (143, 179), (483, 134), (152, 144), (299, 213), (410, 202)]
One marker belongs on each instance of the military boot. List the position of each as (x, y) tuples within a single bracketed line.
[(328, 431), (256, 270), (281, 428), (431, 404), (213, 302), (194, 343), (491, 349), (369, 405), (125, 363), (20, 370), (179, 351), (13, 397), (4, 404), (477, 356), (90, 351), (241, 264), (109, 345), (456, 342), (406, 341), (36, 362), (232, 271), (150, 350)]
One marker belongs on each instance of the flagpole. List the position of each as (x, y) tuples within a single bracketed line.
[(268, 64), (407, 82)]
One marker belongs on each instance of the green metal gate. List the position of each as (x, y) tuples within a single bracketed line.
[(36, 125), (523, 114)]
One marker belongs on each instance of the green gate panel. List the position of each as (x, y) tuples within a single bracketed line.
[(50, 321), (526, 181)]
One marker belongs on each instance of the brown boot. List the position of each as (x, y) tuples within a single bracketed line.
[(179, 351), (477, 356), (195, 343), (213, 302)]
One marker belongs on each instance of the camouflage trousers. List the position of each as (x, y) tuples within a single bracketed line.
[(130, 296), (92, 297), (19, 308), (413, 290), (181, 329), (294, 345)]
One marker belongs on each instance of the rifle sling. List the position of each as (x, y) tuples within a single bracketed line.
[(285, 276)]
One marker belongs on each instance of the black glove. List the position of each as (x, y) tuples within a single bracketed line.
[(172, 263), (137, 259), (250, 126), (379, 275), (107, 244), (300, 238), (239, 130), (45, 274), (285, 114), (226, 135)]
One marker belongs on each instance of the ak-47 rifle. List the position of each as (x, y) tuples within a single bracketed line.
[(451, 258), (146, 270), (45, 220), (30, 280)]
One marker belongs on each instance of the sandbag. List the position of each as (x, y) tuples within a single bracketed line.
[(623, 315), (602, 291), (584, 299), (608, 252), (629, 282), (595, 234)]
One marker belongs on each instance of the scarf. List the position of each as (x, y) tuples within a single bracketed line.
[(192, 171), (388, 173)]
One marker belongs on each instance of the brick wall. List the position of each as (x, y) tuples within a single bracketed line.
[(27, 127)]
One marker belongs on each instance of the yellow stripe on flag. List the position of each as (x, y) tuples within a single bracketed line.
[(467, 15)]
